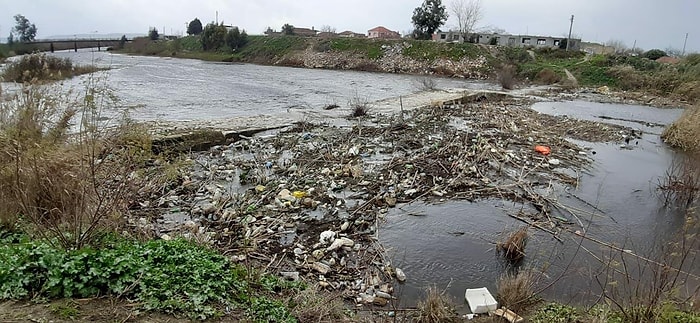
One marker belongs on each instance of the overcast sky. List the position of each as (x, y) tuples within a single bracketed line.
[(652, 23)]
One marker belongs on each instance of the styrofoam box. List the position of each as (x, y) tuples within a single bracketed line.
[(480, 300)]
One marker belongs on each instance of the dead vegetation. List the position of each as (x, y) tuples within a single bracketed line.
[(71, 182), (513, 247), (38, 68), (436, 308), (425, 83), (516, 290), (506, 76), (680, 187), (684, 133), (547, 76)]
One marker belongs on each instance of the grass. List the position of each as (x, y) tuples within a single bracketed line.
[(684, 133), (436, 308), (506, 77), (35, 68), (516, 290)]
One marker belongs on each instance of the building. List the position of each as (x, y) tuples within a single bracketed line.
[(306, 32), (507, 40), (351, 34), (381, 32)]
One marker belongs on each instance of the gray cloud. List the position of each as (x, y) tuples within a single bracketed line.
[(652, 23)]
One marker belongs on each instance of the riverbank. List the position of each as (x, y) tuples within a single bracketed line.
[(633, 76), (306, 202)]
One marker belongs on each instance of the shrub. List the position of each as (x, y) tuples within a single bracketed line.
[(151, 272), (547, 76), (436, 308), (70, 183), (35, 68), (516, 291), (684, 133), (654, 54), (506, 77)]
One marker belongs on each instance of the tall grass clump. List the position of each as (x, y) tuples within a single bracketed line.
[(37, 68), (436, 308), (684, 133), (506, 77), (516, 291), (63, 175)]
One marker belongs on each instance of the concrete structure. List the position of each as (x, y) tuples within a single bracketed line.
[(351, 34), (382, 32), (507, 40), (306, 32)]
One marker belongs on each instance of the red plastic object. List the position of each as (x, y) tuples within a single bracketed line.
[(544, 150)]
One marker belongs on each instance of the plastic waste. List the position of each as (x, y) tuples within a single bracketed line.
[(544, 150)]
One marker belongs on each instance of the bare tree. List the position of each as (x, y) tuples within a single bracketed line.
[(468, 13), (617, 45), (327, 29)]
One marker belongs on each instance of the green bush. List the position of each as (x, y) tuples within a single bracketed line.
[(41, 67), (654, 54), (170, 276), (555, 313)]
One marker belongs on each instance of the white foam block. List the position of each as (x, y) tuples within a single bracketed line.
[(480, 300)]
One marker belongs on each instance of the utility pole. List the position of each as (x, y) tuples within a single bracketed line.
[(634, 46), (568, 40), (217, 17), (685, 42)]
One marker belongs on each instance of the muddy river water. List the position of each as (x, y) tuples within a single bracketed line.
[(449, 245)]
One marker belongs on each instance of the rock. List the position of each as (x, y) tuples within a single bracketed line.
[(339, 243), (286, 195), (554, 162), (207, 208), (318, 254), (320, 267), (191, 226), (380, 301), (259, 188), (290, 275), (366, 299), (382, 295), (166, 237), (400, 275), (326, 237), (344, 226), (307, 202), (390, 201)]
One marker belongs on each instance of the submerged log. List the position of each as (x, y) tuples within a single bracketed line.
[(200, 140)]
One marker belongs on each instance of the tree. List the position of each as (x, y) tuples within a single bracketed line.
[(468, 14), (617, 46), (195, 27), (213, 36), (122, 42), (25, 30), (428, 18), (562, 43), (236, 39), (654, 54), (287, 29), (153, 33), (327, 29), (10, 40)]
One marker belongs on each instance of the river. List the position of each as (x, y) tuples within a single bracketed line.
[(451, 247), (171, 89)]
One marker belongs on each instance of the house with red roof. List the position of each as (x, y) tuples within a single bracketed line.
[(382, 32)]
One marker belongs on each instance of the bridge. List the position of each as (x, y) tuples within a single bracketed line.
[(46, 45)]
